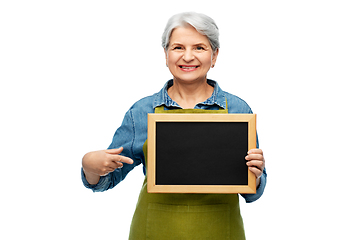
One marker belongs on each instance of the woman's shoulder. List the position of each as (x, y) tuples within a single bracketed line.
[(149, 102), (236, 104), (144, 104)]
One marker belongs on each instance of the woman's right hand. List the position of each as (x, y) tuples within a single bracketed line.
[(101, 163)]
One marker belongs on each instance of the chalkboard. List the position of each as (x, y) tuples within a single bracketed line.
[(200, 153)]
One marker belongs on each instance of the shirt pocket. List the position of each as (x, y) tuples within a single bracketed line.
[(165, 221)]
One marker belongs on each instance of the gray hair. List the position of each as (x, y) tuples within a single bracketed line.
[(202, 23)]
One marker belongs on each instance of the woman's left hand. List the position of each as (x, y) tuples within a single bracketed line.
[(256, 163)]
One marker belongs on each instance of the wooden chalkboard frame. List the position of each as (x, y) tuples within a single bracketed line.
[(153, 119)]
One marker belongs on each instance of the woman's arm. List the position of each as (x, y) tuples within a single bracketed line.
[(256, 163), (100, 169)]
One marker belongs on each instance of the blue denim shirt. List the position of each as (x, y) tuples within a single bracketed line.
[(133, 132)]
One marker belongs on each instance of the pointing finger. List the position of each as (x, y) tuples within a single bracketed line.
[(123, 159)]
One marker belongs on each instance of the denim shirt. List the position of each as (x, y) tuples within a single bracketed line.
[(132, 133)]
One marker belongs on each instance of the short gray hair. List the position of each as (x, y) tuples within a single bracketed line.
[(202, 23)]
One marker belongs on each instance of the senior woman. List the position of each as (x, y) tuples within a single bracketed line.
[(191, 46)]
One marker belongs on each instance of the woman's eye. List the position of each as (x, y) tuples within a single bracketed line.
[(199, 48), (177, 48)]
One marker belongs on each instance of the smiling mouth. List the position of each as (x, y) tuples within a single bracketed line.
[(188, 67)]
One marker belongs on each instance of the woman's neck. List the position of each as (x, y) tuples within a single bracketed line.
[(187, 95)]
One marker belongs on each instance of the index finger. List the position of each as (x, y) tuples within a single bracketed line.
[(123, 159)]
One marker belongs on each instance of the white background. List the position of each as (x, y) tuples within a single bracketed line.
[(69, 71)]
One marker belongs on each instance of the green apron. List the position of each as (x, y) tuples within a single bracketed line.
[(172, 216)]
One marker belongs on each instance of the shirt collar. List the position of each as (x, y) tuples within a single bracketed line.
[(217, 97)]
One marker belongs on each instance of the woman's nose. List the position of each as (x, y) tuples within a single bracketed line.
[(188, 56)]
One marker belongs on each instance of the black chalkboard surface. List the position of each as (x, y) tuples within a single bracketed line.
[(200, 153)]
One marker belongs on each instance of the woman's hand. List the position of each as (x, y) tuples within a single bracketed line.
[(101, 163), (256, 163)]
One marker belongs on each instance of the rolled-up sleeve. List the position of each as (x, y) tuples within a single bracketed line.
[(100, 186)]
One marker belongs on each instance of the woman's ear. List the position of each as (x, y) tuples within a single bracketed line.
[(214, 57), (166, 56)]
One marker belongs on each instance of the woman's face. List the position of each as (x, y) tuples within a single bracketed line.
[(189, 56)]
